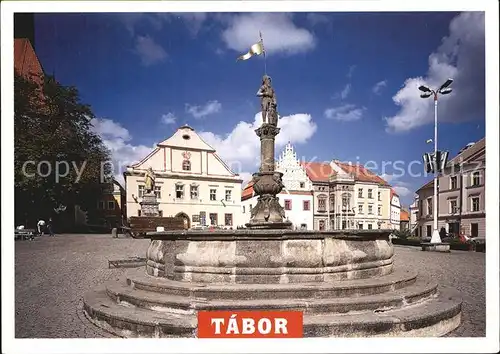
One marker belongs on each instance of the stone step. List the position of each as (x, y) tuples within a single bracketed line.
[(126, 295), (434, 317), (377, 285), (133, 322)]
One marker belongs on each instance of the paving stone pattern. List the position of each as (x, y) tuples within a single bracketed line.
[(52, 273)]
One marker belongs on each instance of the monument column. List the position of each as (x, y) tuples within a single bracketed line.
[(267, 213)]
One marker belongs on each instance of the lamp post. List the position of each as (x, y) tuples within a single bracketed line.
[(426, 93)]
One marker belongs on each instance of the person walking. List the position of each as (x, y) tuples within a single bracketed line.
[(49, 227)]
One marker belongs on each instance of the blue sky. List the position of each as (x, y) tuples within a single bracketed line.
[(346, 83)]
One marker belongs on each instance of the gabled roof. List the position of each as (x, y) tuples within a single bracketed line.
[(186, 138), (404, 215), (322, 171)]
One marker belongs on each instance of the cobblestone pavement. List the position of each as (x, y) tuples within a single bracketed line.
[(52, 274)]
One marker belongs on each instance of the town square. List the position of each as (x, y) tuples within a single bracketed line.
[(252, 175)]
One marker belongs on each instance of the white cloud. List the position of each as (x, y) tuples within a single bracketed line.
[(460, 56), (377, 88), (240, 148), (279, 32), (168, 118), (351, 71), (345, 113), (199, 112), (345, 91), (117, 140), (402, 191), (149, 51)]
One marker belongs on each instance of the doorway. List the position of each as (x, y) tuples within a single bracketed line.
[(187, 223)]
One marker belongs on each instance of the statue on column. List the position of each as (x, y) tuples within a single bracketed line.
[(149, 180), (267, 99)]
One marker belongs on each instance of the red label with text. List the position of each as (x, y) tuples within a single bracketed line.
[(250, 324)]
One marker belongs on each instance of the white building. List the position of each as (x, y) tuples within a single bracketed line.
[(414, 216), (395, 211), (296, 198), (191, 182)]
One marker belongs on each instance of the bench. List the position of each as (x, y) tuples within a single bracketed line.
[(140, 225)]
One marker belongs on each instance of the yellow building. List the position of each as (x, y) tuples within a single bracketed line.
[(192, 182)]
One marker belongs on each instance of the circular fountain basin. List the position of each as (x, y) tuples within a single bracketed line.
[(269, 256)]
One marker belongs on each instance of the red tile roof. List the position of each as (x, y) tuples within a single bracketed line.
[(318, 171), (393, 193), (404, 215), (322, 171)]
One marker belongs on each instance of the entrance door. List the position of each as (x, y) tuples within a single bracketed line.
[(344, 224), (429, 231), (474, 230)]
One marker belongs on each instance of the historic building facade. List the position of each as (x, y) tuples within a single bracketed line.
[(461, 195), (395, 210), (113, 203), (348, 196), (330, 195), (191, 182)]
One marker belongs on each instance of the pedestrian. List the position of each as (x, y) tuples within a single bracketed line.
[(41, 226), (49, 227), (442, 233)]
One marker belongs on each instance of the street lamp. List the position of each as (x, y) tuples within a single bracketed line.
[(426, 93)]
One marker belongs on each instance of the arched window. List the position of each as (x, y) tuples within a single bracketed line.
[(186, 165)]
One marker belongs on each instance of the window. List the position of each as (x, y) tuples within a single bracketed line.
[(111, 204), (474, 230), (429, 206), (228, 219), (453, 182), (370, 226), (475, 204), (228, 195), (360, 226), (346, 205), (379, 210), (139, 212), (160, 213), (360, 193), (370, 193), (360, 208), (306, 205), (203, 218), (476, 180), (213, 219), (378, 196), (370, 209), (429, 230), (158, 192), (186, 165), (302, 185), (194, 192), (288, 204), (179, 191), (322, 204), (303, 226), (140, 192), (321, 225), (101, 205), (453, 206), (243, 209), (213, 194)]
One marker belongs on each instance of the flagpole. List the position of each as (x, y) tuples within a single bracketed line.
[(264, 52)]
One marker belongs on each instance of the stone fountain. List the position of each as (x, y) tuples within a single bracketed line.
[(344, 281)]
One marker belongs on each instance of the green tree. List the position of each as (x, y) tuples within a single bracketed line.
[(52, 130)]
